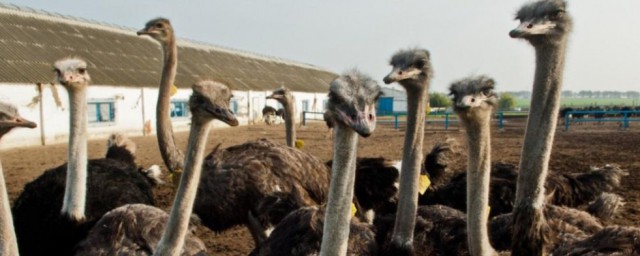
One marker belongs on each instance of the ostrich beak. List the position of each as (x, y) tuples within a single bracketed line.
[(364, 123), (18, 122), (398, 74), (143, 32), (228, 117)]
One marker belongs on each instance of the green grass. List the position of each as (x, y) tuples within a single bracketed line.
[(578, 102)]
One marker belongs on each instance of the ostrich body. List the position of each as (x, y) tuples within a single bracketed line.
[(412, 69), (546, 25), (160, 29), (56, 210), (284, 96), (352, 99), (137, 229), (235, 180), (474, 102), (9, 119)]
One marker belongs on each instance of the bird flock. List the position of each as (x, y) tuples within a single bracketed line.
[(294, 204)]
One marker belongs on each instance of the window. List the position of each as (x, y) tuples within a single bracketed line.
[(179, 109), (234, 106), (101, 111), (305, 105), (325, 104)]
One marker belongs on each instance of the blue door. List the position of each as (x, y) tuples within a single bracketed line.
[(385, 106)]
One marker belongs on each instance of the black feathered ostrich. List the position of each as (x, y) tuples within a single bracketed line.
[(9, 119), (235, 180), (546, 25), (56, 210), (330, 230), (137, 229)]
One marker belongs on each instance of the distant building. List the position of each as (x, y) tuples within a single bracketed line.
[(392, 100), (125, 71)]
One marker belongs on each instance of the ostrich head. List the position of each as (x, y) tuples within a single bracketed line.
[(9, 119), (410, 68), (542, 22), (282, 95), (210, 100), (72, 73), (473, 97), (352, 100), (159, 29)]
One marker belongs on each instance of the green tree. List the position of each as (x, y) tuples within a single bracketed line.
[(439, 100), (506, 102)]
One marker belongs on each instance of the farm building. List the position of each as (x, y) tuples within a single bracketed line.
[(125, 71), (393, 100)]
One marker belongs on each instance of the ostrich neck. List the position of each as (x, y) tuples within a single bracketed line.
[(289, 122), (538, 140), (76, 184), (172, 240), (173, 158), (412, 160), (478, 175), (337, 218), (8, 241)]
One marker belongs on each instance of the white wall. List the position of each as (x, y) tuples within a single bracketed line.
[(128, 105)]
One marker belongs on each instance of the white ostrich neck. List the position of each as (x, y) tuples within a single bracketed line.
[(289, 121), (478, 178), (171, 155), (76, 184), (172, 240), (337, 217), (8, 241), (541, 125), (411, 162)]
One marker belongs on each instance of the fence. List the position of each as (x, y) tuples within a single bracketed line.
[(624, 117), (445, 118)]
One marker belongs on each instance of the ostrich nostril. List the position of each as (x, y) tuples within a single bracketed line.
[(399, 72), (473, 99), (370, 117), (530, 26)]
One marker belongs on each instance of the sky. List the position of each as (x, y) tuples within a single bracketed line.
[(464, 37)]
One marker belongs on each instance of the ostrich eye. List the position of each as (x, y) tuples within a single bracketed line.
[(556, 14), (159, 25), (419, 64), (82, 71), (486, 92)]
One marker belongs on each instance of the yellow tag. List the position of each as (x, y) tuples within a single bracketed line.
[(424, 184), (353, 210), (299, 144), (174, 90), (488, 211)]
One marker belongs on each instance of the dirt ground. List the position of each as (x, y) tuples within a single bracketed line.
[(573, 151)]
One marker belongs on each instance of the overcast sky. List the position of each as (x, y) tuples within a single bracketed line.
[(464, 37)]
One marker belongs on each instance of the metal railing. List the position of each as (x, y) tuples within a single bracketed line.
[(601, 116)]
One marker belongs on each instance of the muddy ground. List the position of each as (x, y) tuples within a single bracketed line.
[(574, 151)]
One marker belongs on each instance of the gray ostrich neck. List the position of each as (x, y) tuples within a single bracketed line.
[(538, 140), (173, 158), (8, 241), (411, 162), (172, 240), (478, 175), (76, 184), (289, 122), (337, 217)]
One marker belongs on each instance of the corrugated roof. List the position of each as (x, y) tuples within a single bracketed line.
[(31, 40)]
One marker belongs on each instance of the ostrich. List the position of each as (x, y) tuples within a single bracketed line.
[(56, 210), (138, 228), (573, 190), (474, 102), (352, 98), (269, 115), (284, 96), (545, 25), (9, 119), (235, 179), (160, 29), (412, 69)]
